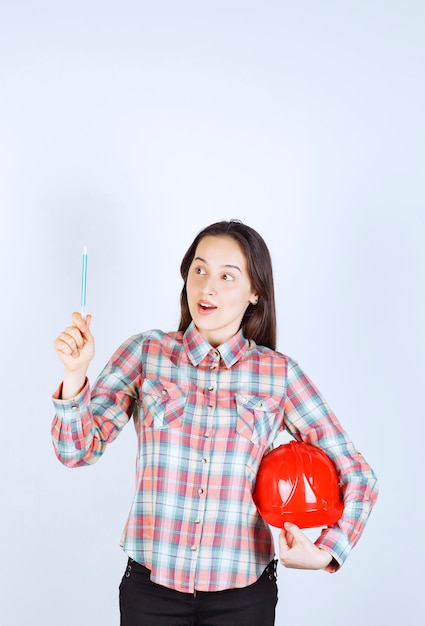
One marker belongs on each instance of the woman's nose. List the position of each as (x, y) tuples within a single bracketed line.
[(209, 286)]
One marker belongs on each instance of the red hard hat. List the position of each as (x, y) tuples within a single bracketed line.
[(298, 483)]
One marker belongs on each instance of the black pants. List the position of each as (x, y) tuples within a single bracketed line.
[(144, 603)]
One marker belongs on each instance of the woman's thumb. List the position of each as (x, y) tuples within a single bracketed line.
[(290, 527), (88, 321)]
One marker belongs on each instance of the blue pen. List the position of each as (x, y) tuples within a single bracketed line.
[(84, 284)]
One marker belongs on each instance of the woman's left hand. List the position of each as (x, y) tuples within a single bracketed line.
[(298, 552)]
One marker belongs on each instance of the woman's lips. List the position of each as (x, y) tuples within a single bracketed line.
[(205, 308)]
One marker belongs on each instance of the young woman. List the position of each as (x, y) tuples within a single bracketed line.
[(207, 403)]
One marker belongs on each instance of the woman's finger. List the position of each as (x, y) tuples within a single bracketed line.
[(73, 341), (66, 347), (75, 335), (62, 346), (79, 322)]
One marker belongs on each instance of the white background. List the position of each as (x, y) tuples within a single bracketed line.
[(128, 126)]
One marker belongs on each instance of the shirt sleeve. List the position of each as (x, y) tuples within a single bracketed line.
[(85, 425), (308, 418)]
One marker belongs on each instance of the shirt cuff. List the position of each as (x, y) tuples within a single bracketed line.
[(336, 543), (73, 408)]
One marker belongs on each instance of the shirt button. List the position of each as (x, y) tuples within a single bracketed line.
[(204, 460), (213, 367), (74, 407), (193, 548), (200, 491), (197, 521), (210, 388), (207, 435), (210, 406)]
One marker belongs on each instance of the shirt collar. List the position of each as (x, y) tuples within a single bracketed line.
[(197, 347)]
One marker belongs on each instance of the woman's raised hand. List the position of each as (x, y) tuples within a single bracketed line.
[(75, 348), (75, 345)]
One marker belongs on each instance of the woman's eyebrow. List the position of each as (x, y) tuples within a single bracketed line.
[(199, 258)]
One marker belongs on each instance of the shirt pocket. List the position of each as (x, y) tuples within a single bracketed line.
[(257, 418), (162, 403)]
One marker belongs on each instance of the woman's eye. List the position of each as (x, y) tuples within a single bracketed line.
[(228, 277), (200, 270)]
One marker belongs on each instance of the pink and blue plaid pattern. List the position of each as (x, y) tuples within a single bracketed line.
[(204, 418)]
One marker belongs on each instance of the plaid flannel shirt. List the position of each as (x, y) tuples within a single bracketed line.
[(204, 418)]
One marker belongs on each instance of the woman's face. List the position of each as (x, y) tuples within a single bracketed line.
[(218, 288)]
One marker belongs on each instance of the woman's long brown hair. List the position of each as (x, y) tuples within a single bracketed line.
[(259, 321)]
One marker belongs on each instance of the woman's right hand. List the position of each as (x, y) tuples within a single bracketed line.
[(75, 348), (75, 345)]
